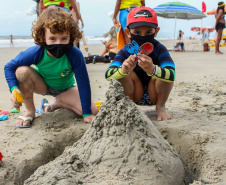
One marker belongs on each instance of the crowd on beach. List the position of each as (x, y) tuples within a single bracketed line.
[(142, 64)]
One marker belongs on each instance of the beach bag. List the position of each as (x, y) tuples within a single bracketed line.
[(206, 47), (96, 58)]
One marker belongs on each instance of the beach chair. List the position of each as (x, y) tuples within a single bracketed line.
[(213, 41), (199, 39)]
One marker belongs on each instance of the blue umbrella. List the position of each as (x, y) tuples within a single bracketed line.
[(178, 10)]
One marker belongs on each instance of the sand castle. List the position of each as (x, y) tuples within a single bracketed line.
[(122, 146)]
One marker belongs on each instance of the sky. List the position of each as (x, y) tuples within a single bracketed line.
[(14, 19)]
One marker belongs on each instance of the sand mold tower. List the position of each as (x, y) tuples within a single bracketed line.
[(122, 146)]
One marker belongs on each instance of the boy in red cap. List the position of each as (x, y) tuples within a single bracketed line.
[(147, 80)]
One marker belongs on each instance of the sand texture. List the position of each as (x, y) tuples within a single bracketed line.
[(196, 134), (121, 146)]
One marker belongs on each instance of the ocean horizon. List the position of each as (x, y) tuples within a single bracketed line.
[(28, 41)]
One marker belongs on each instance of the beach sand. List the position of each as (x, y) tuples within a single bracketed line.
[(197, 130)]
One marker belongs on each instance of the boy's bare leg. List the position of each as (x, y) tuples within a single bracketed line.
[(159, 91), (29, 81), (70, 99), (132, 86)]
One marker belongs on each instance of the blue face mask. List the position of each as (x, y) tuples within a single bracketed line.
[(143, 39), (58, 50)]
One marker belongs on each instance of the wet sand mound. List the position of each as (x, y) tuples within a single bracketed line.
[(24, 150), (121, 146)]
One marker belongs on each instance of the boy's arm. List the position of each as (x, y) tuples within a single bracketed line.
[(166, 70), (26, 58), (78, 64), (115, 70)]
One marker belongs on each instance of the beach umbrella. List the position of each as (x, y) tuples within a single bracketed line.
[(178, 10), (203, 29)]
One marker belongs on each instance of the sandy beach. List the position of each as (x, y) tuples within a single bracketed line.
[(196, 132)]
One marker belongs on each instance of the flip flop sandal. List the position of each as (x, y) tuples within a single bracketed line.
[(45, 103), (25, 118)]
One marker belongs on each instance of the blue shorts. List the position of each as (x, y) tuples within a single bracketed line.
[(122, 18), (145, 99), (55, 92)]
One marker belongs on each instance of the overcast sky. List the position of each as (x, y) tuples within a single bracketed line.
[(14, 19)]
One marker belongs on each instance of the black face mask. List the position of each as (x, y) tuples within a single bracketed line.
[(142, 39), (58, 50)]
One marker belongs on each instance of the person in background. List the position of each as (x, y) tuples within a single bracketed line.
[(11, 41), (219, 25), (58, 63), (111, 48), (180, 36), (74, 15), (37, 6), (67, 5), (124, 7), (147, 80)]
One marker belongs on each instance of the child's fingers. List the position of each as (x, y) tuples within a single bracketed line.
[(131, 60), (143, 56)]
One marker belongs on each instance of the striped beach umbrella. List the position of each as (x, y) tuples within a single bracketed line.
[(178, 10)]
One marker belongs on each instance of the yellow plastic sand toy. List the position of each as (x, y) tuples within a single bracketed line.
[(98, 104), (18, 97)]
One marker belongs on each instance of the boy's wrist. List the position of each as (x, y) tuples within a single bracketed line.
[(85, 115), (123, 73), (155, 71), (14, 87)]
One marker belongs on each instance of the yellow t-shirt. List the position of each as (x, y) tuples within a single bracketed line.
[(65, 3), (128, 3)]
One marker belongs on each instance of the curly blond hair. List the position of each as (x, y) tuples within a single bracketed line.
[(58, 21)]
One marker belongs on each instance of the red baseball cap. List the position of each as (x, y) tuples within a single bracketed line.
[(142, 16)]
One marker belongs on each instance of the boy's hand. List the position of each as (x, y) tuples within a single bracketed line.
[(146, 63), (15, 103), (129, 64), (89, 119)]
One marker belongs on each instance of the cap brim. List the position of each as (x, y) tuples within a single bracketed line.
[(137, 24)]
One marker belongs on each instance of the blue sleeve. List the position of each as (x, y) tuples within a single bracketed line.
[(166, 68), (78, 64), (28, 57), (114, 69)]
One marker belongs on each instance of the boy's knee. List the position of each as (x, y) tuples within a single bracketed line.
[(22, 73)]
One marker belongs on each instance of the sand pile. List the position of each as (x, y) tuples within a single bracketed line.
[(122, 146)]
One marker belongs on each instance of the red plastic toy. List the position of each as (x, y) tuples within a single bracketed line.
[(146, 48), (1, 156), (4, 112)]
